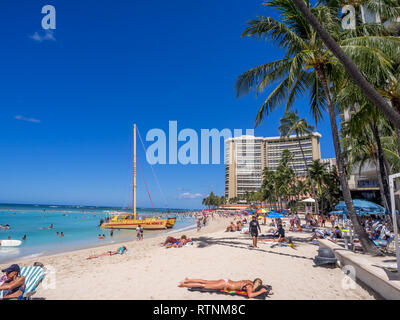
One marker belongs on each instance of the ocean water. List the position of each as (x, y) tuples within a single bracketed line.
[(80, 226)]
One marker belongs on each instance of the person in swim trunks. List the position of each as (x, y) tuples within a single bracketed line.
[(14, 286), (251, 287), (254, 227)]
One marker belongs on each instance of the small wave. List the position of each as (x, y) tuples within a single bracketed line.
[(192, 226), (33, 255)]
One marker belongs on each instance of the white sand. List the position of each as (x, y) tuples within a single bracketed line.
[(149, 271)]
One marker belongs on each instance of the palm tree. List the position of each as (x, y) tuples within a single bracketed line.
[(365, 143), (348, 64), (308, 67), (318, 174), (292, 124), (331, 188), (268, 186)]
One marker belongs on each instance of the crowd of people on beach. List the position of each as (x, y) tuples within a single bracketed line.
[(376, 227), (275, 231)]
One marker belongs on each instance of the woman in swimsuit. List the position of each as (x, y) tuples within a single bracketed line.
[(121, 250), (169, 240), (228, 285), (180, 243)]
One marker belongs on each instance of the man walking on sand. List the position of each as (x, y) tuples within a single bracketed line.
[(254, 227)]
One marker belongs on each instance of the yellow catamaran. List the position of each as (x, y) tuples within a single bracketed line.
[(125, 220)]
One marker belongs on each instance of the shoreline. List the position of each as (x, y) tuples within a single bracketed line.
[(44, 245), (106, 246), (92, 246)]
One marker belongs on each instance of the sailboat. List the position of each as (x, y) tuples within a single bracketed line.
[(126, 220)]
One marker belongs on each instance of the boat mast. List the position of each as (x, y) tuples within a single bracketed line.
[(134, 171)]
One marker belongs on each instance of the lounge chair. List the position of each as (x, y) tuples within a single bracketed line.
[(384, 244), (33, 277)]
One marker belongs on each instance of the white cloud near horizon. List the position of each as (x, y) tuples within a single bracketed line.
[(48, 35), (188, 195), (22, 118)]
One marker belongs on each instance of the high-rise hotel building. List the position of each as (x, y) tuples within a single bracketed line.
[(247, 156)]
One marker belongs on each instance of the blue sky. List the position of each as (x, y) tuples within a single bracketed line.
[(69, 99)]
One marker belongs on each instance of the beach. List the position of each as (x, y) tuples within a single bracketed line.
[(148, 271)]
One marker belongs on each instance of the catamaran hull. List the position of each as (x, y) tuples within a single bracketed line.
[(146, 225), (171, 223)]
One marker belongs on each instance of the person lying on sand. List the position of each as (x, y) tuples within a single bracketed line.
[(172, 240), (318, 234), (169, 240), (278, 235), (180, 243), (251, 287), (121, 250)]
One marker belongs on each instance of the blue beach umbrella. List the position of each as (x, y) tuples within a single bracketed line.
[(362, 207), (275, 215)]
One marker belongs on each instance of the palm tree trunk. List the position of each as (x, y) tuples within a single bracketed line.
[(398, 140), (378, 173), (381, 163), (308, 173), (366, 243), (381, 190), (396, 105), (358, 78)]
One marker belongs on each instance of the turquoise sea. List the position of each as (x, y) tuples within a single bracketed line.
[(79, 224)]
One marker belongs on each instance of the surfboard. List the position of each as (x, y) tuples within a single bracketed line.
[(10, 243)]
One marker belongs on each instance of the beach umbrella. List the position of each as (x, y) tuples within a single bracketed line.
[(363, 207), (262, 210), (275, 215)]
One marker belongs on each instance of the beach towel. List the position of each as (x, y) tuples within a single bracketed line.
[(235, 292), (33, 277)]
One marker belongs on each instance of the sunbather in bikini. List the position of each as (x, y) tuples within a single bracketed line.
[(179, 244), (228, 285), (170, 240), (121, 250)]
